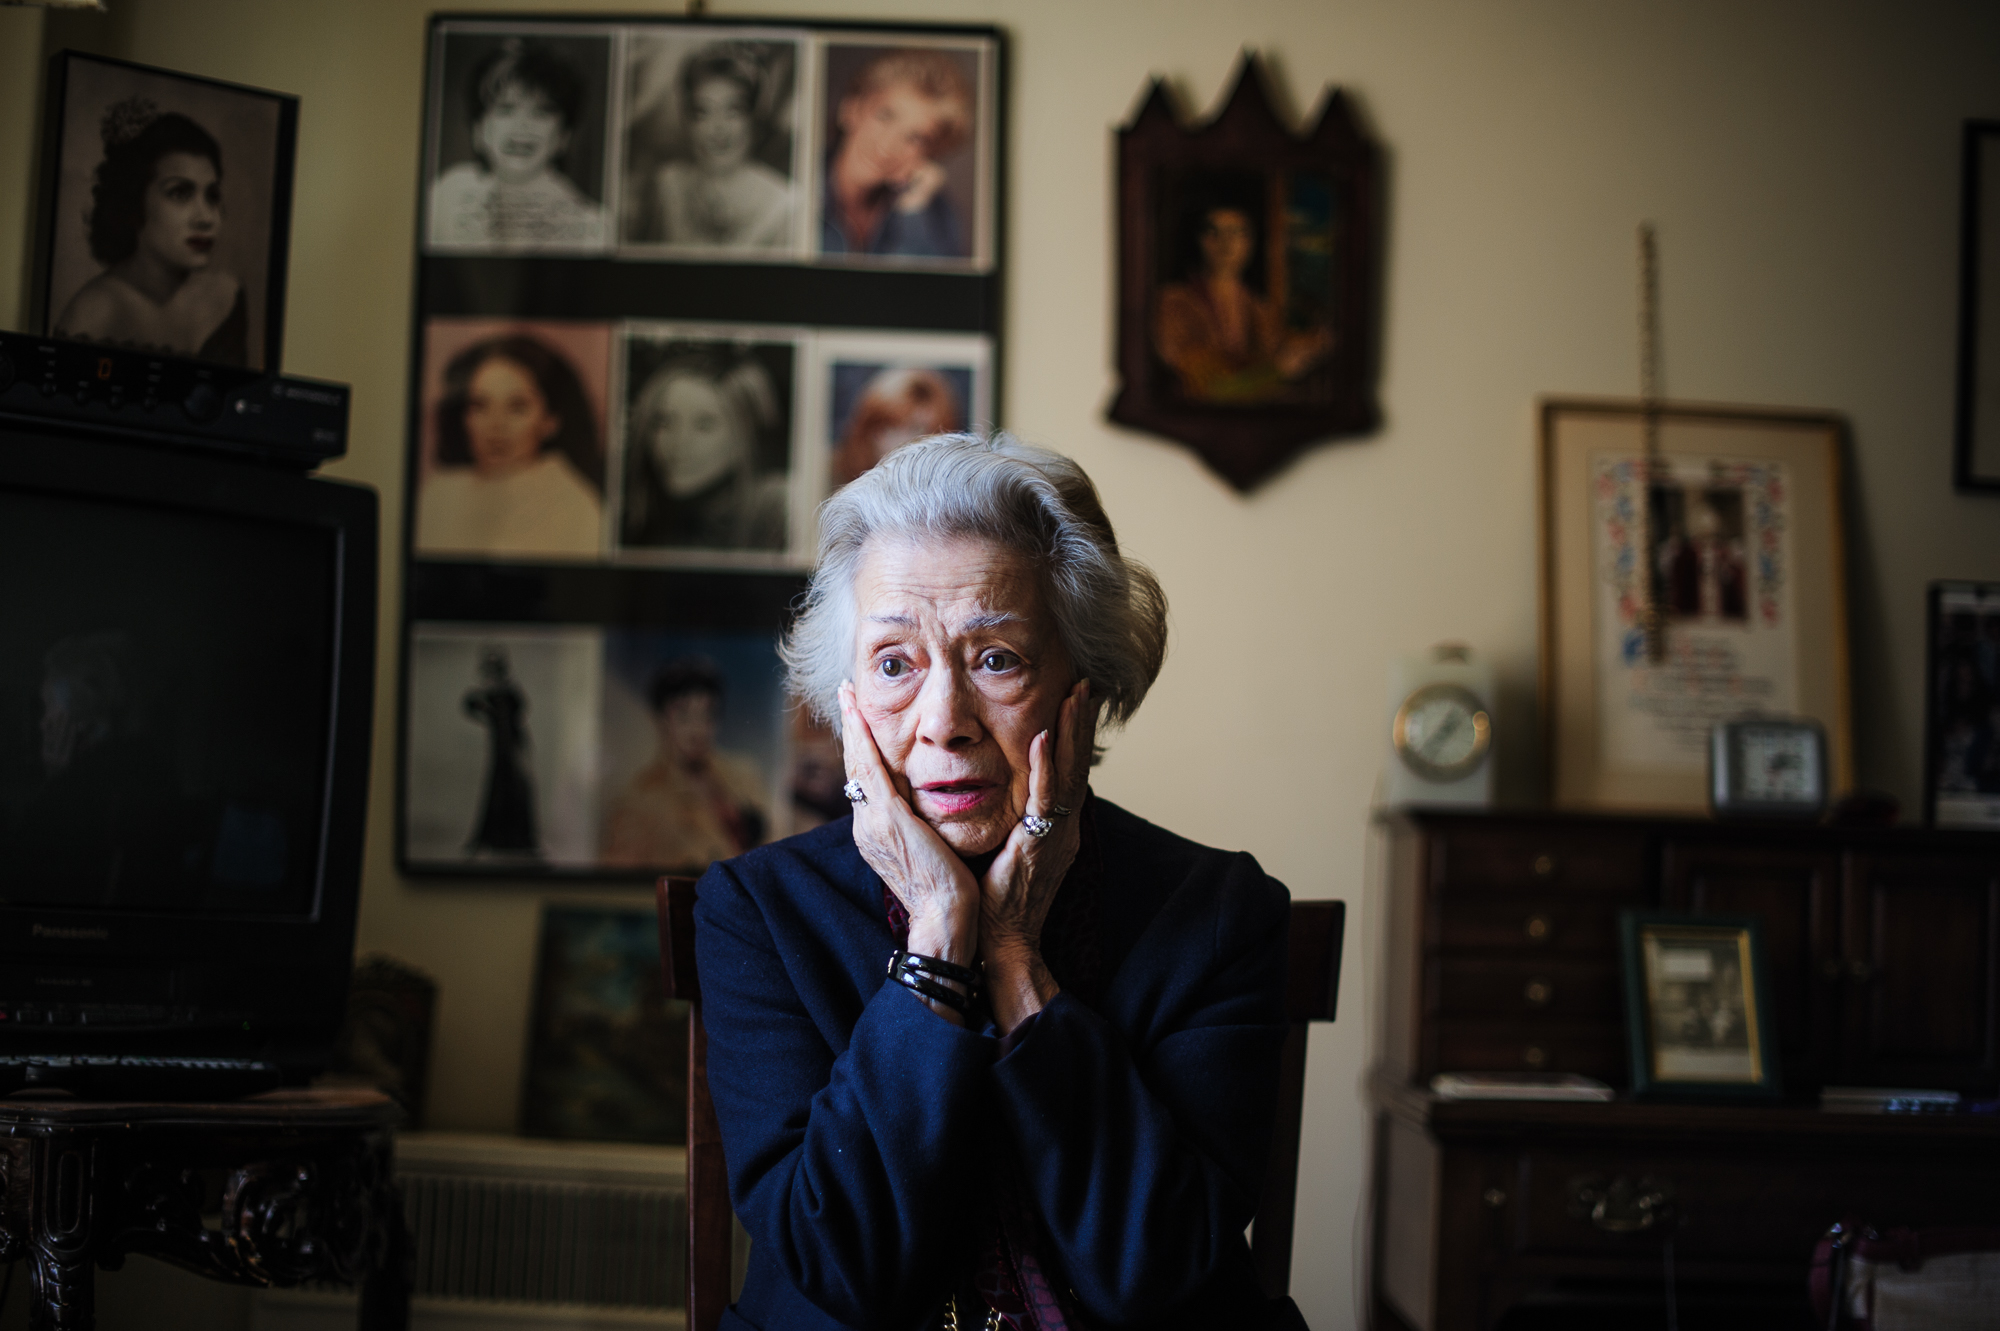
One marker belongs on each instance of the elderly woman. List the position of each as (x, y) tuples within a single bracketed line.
[(1053, 1109)]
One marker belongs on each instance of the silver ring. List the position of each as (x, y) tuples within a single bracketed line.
[(855, 794), (1060, 812), (1037, 827)]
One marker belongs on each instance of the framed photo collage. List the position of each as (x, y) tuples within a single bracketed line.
[(678, 280)]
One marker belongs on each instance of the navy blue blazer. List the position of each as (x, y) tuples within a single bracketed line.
[(859, 1126)]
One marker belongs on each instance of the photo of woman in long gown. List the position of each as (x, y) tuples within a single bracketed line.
[(520, 460), (706, 449), (156, 215), (506, 823), (723, 124)]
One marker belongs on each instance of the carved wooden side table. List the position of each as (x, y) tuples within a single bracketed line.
[(279, 1189)]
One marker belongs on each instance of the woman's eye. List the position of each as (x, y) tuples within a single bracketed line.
[(998, 661), (892, 667)]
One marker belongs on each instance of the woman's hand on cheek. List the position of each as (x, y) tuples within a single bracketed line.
[(1022, 882), (932, 883)]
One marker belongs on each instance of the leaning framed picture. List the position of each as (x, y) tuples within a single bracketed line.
[(1695, 580), (1697, 1007), (1962, 722), (1977, 459), (168, 212)]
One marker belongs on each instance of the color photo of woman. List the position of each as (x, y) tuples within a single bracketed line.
[(512, 460), (168, 195)]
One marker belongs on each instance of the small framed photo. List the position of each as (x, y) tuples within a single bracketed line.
[(517, 138), (168, 212), (694, 762), (1698, 581), (1962, 734), (1698, 1009), (715, 162), (906, 128), (607, 1049), (712, 468), (880, 392), (512, 455), (1977, 457), (502, 734)]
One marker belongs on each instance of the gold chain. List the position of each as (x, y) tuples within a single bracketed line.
[(951, 1316)]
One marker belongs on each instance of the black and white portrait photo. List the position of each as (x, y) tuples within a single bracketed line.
[(171, 211), (712, 142), (906, 131), (517, 138), (708, 424), (502, 750)]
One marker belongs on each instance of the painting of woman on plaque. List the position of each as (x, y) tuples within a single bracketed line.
[(1225, 330)]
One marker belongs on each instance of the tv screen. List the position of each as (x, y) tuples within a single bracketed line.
[(166, 699)]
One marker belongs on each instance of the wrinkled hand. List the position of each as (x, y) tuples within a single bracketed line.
[(1029, 870), (931, 881), (916, 193)]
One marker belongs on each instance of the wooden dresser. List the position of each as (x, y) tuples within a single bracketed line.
[(1884, 954)]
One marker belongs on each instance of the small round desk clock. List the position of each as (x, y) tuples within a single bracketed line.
[(1442, 732)]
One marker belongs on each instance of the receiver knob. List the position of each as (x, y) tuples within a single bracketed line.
[(203, 403)]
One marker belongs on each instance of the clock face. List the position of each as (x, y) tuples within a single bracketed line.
[(1442, 732), (1779, 766)]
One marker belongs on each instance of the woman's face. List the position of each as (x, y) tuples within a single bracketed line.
[(522, 133), (719, 124), (1226, 242), (183, 211), (686, 727), (889, 132), (695, 439), (507, 419), (957, 667)]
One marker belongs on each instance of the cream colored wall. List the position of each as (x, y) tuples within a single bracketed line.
[(1800, 160)]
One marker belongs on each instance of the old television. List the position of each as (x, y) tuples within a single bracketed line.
[(186, 684)]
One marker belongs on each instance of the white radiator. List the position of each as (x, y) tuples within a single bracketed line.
[(530, 1234)]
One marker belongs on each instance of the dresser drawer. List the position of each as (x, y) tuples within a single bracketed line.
[(1511, 857), (1592, 1049), (1518, 990), (1530, 923)]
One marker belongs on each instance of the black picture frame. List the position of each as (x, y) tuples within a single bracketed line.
[(1308, 211), (1962, 705), (93, 100), (1976, 447), (547, 603), (1736, 1057)]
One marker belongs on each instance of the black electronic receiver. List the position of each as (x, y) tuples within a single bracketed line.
[(169, 400)]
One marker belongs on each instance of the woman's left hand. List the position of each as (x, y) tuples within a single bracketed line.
[(1021, 883)]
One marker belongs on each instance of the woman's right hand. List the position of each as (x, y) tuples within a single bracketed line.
[(934, 885)]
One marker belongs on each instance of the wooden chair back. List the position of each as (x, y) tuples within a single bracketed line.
[(1311, 989)]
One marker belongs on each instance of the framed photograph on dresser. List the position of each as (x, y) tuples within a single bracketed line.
[(1962, 723), (1698, 580), (1697, 1007), (677, 278)]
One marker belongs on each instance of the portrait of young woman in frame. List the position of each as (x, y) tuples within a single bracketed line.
[(168, 212)]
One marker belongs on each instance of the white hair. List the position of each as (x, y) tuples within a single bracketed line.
[(1109, 611)]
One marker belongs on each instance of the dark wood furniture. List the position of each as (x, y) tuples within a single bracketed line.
[(1884, 952), (301, 1179), (1311, 990)]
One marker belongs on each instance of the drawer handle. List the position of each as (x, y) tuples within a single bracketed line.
[(1539, 928), (1534, 1056), (1544, 865), (1538, 993), (1620, 1206)]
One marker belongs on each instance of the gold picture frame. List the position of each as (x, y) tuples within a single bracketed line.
[(1698, 1007), (1698, 581)]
